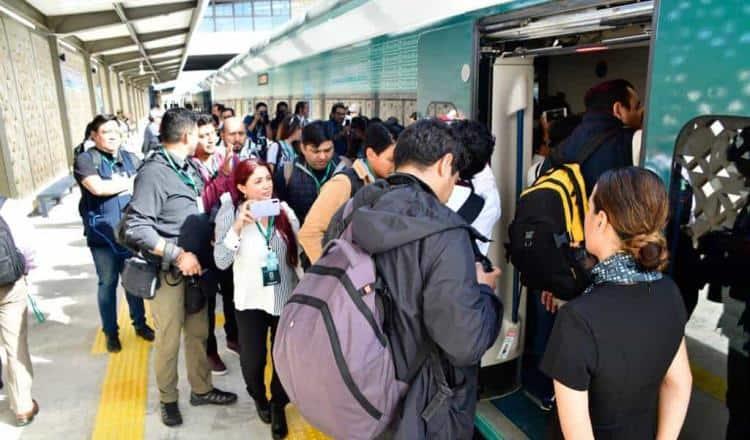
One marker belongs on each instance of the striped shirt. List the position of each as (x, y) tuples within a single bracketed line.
[(247, 251)]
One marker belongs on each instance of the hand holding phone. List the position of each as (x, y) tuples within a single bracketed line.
[(265, 208)]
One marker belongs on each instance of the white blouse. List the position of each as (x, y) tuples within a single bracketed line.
[(248, 252)]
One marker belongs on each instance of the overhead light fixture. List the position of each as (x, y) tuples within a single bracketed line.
[(67, 46), (140, 68), (17, 17)]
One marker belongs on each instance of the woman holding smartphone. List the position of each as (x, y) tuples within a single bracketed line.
[(259, 236), (617, 353)]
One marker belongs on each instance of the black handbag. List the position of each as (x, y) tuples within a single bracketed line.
[(140, 278)]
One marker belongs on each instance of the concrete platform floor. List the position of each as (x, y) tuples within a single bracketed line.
[(79, 386), (72, 372)]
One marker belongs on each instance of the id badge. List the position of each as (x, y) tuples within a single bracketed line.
[(271, 277), (199, 203)]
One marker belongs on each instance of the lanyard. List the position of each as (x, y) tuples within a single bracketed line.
[(268, 232), (369, 170), (110, 164), (186, 178), (319, 183)]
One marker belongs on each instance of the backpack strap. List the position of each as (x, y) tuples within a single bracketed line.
[(354, 181), (472, 207), (594, 143), (557, 157), (127, 160), (96, 157)]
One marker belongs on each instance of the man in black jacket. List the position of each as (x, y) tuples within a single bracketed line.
[(613, 114), (438, 297)]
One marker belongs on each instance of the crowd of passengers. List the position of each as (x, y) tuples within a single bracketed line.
[(185, 202)]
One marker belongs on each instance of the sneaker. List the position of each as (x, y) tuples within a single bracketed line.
[(26, 418), (264, 411), (544, 403), (217, 365), (170, 414), (278, 422), (146, 333), (213, 397), (233, 347), (113, 344)]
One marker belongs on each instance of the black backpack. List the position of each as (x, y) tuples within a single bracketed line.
[(548, 219), (12, 263)]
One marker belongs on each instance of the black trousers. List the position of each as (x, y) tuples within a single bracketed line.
[(253, 326), (220, 282), (738, 390)]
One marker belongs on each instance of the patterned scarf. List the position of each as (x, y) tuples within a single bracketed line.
[(620, 268)]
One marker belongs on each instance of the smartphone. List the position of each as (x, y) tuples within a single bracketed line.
[(265, 208), (555, 114)]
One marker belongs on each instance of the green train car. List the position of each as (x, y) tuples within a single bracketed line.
[(687, 58)]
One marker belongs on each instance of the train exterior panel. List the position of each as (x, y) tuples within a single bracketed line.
[(698, 67)]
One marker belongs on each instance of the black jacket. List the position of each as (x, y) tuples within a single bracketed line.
[(423, 253), (615, 152)]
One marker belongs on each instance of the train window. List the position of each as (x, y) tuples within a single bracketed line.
[(223, 10), (243, 9), (207, 24), (281, 7), (243, 23), (262, 8), (262, 23), (224, 24)]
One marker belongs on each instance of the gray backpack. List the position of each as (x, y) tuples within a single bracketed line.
[(331, 352)]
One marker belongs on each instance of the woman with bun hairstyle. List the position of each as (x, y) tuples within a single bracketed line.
[(617, 353)]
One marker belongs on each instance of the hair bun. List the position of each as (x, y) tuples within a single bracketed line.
[(649, 251)]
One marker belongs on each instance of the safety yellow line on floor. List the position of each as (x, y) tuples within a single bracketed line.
[(711, 384), (122, 404)]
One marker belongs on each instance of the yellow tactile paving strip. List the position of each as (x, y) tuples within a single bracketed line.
[(122, 404), (709, 383)]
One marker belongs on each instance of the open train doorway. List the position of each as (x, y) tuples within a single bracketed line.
[(535, 60)]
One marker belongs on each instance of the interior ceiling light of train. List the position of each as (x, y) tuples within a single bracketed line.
[(600, 26)]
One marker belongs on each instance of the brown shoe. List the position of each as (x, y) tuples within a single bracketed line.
[(25, 419)]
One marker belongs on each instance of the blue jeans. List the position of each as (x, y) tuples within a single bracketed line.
[(108, 268), (539, 323)]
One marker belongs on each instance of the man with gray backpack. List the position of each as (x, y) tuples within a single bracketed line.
[(397, 308)]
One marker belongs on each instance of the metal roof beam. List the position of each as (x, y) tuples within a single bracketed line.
[(98, 46), (128, 64), (25, 10), (122, 58), (133, 34), (149, 75), (167, 66), (68, 24), (201, 6)]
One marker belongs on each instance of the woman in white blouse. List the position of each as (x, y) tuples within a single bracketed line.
[(265, 255)]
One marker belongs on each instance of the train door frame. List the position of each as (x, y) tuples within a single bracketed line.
[(494, 379)]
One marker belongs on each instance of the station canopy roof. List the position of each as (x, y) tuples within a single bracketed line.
[(144, 40)]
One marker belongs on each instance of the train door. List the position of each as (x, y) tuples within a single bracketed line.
[(512, 118)]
